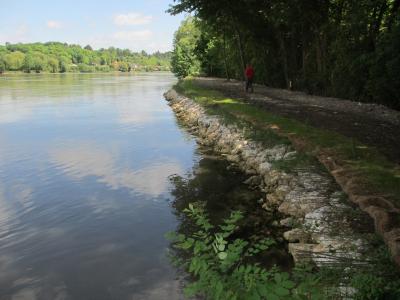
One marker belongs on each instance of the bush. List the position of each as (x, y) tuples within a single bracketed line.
[(85, 68), (223, 267), (103, 68)]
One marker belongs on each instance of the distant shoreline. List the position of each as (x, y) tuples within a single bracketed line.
[(97, 72)]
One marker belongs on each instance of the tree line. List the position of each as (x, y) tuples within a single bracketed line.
[(342, 48), (57, 57)]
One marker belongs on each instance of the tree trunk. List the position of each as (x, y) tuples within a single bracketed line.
[(225, 57), (241, 52), (303, 56), (377, 21), (318, 54), (284, 59)]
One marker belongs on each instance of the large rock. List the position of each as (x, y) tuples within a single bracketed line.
[(297, 235)]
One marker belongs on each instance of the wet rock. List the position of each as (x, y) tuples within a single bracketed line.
[(267, 207), (297, 235), (288, 222), (253, 181), (264, 168), (273, 200), (275, 223), (303, 252), (233, 158)]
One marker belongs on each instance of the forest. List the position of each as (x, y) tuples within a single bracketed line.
[(341, 48), (55, 57)]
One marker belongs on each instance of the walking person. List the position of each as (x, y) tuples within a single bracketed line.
[(249, 74)]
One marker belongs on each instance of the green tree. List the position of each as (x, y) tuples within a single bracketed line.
[(2, 65), (63, 64), (53, 64), (14, 60), (28, 63), (61, 57), (337, 48), (124, 67), (39, 62), (184, 61)]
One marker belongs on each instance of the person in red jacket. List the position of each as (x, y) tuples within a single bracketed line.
[(249, 74)]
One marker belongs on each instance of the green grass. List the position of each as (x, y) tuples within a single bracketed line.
[(377, 173)]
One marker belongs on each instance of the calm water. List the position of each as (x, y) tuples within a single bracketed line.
[(94, 170), (84, 192)]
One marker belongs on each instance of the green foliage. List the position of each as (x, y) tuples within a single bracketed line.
[(338, 48), (381, 279), (14, 60), (184, 61), (57, 57), (223, 266), (371, 287), (2, 66), (84, 68)]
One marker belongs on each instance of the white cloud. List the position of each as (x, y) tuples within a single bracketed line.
[(88, 159), (162, 46), (53, 24), (135, 40), (131, 19), (132, 36)]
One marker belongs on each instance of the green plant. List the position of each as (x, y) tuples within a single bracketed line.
[(378, 280), (224, 266)]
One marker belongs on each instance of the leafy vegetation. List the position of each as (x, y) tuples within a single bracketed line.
[(347, 49), (184, 61), (219, 196), (222, 265), (57, 57)]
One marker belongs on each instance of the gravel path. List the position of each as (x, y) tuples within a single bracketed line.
[(372, 124)]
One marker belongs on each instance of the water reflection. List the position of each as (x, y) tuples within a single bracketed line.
[(85, 90), (10, 113), (89, 159), (220, 187), (84, 190)]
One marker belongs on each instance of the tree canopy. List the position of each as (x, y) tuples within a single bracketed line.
[(61, 57), (184, 61), (342, 48)]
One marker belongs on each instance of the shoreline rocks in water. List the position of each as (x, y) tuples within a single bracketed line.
[(318, 229)]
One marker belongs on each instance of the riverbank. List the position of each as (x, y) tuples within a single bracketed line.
[(322, 225), (367, 177), (7, 73), (373, 125)]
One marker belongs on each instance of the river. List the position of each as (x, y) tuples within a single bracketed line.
[(84, 190), (94, 170)]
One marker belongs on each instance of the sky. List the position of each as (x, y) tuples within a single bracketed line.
[(136, 25)]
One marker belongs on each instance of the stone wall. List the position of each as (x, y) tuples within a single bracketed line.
[(320, 223)]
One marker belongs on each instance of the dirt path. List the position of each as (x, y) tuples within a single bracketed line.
[(371, 124)]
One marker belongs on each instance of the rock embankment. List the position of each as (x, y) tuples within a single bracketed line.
[(320, 223)]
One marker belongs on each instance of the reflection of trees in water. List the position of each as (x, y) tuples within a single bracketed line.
[(221, 190)]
